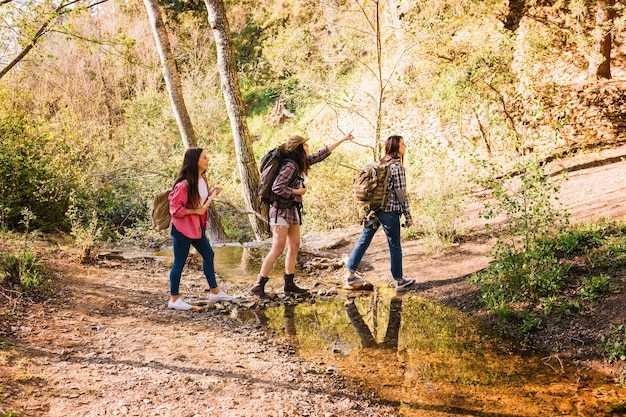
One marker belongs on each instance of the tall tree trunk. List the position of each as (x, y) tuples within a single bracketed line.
[(175, 90), (380, 147), (248, 170), (170, 73), (605, 14)]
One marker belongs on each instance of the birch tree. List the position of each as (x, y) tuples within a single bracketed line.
[(175, 90), (248, 170), (170, 74)]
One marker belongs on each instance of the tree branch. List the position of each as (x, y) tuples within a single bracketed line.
[(239, 209), (58, 11)]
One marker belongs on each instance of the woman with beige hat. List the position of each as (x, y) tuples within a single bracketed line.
[(285, 214)]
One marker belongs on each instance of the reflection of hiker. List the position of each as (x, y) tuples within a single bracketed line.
[(389, 218), (285, 221), (393, 326), (288, 315), (189, 201), (290, 322)]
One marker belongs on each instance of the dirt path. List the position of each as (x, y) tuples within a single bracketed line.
[(106, 345)]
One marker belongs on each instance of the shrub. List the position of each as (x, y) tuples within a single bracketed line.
[(31, 176), (524, 267), (24, 270), (613, 347)]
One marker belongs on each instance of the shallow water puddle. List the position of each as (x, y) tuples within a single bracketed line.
[(238, 263), (426, 358), (433, 360)]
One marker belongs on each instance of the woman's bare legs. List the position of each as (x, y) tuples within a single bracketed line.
[(293, 246), (279, 238)]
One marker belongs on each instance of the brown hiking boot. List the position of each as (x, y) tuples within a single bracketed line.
[(258, 289), (291, 288)]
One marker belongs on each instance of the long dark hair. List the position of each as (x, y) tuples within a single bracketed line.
[(392, 148), (189, 171), (299, 156)]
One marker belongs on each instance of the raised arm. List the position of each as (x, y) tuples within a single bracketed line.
[(340, 141)]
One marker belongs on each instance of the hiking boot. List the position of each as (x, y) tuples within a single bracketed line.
[(356, 283), (258, 289), (291, 288), (402, 284)]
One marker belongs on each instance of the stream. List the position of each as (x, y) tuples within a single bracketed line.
[(425, 358)]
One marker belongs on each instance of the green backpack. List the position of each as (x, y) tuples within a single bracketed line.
[(369, 188), (161, 210)]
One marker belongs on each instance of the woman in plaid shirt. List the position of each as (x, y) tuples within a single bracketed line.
[(285, 214), (389, 218)]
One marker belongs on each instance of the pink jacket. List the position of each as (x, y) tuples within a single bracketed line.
[(190, 225)]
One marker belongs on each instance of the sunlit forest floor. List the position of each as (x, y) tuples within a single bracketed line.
[(102, 343)]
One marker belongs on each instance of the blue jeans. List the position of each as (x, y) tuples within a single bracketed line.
[(390, 222), (181, 245)]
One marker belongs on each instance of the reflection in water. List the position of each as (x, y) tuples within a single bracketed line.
[(365, 335), (427, 358), (432, 360)]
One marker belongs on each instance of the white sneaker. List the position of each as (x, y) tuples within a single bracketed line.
[(179, 304), (357, 283), (220, 296)]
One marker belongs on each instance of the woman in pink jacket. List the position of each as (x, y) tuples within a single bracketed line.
[(189, 201)]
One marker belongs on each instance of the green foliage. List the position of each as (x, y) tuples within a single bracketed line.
[(529, 207), (175, 9), (559, 306), (538, 283), (439, 192), (23, 268), (529, 323), (86, 233), (521, 276), (614, 346), (31, 175), (596, 286), (524, 266)]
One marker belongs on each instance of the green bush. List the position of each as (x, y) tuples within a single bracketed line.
[(525, 267), (24, 268), (595, 287), (32, 175)]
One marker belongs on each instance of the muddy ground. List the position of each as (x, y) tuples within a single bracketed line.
[(101, 342)]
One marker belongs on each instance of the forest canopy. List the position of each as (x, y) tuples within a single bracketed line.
[(87, 132)]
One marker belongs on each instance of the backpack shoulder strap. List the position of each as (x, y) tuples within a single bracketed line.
[(387, 166), (296, 172)]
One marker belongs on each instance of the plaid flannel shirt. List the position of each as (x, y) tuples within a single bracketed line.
[(285, 183), (397, 181)]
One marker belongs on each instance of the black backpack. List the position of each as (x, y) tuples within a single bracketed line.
[(270, 167)]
